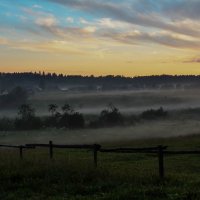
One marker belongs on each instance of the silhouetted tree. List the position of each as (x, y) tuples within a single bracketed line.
[(71, 119), (10, 80), (27, 119), (26, 111), (54, 119), (52, 109), (67, 109), (111, 116)]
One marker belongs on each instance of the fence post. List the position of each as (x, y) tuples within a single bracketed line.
[(95, 150), (21, 151), (50, 149), (161, 161)]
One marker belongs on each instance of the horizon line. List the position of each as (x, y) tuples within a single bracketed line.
[(93, 75)]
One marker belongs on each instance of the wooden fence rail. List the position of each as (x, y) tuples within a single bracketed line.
[(94, 147), (20, 147), (181, 152), (147, 149), (160, 150)]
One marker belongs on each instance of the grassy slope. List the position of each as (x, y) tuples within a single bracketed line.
[(71, 174)]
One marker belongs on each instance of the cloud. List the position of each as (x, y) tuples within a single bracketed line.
[(193, 60), (49, 24), (54, 46), (35, 13), (70, 33), (107, 28), (51, 46), (162, 38), (40, 17), (70, 19), (182, 9), (174, 9), (37, 6), (46, 21), (3, 41), (113, 24), (150, 16), (127, 22)]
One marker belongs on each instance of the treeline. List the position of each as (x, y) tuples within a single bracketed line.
[(43, 79), (14, 98), (70, 119)]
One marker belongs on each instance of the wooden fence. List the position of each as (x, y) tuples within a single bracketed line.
[(95, 148), (19, 147)]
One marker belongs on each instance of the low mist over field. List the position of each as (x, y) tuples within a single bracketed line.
[(90, 95), (132, 97), (129, 102), (155, 129)]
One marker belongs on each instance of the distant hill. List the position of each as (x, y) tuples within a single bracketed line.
[(48, 81)]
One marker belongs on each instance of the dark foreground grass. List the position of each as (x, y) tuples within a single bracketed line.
[(71, 175)]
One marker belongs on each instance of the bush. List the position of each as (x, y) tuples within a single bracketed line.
[(6, 124), (108, 117), (63, 121), (67, 119), (76, 120), (27, 119), (72, 120), (52, 121), (111, 116), (28, 124), (154, 114)]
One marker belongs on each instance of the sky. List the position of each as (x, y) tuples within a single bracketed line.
[(100, 37)]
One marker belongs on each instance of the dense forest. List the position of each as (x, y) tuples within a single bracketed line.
[(42, 81)]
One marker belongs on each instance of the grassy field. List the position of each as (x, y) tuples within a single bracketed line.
[(71, 175), (173, 127)]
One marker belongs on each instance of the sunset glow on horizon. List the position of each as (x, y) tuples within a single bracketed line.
[(99, 37)]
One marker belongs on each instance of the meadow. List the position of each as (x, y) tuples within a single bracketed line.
[(71, 174)]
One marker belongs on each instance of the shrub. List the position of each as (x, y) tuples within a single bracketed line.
[(111, 116), (28, 124), (154, 114), (108, 117), (76, 120), (27, 119), (53, 120), (6, 124), (68, 118)]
